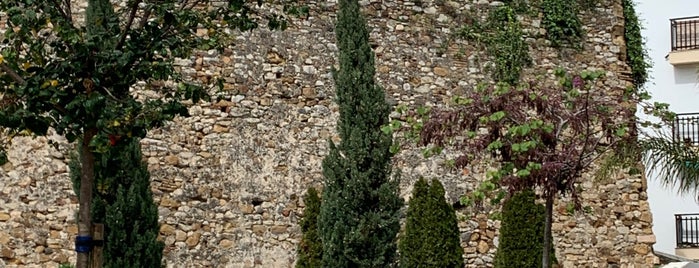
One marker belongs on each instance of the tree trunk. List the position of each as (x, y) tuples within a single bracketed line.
[(87, 176), (546, 255)]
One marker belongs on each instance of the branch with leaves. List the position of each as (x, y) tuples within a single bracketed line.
[(542, 136)]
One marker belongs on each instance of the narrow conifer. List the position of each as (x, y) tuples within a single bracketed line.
[(123, 201), (359, 216)]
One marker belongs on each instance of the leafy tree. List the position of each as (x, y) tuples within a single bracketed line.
[(123, 201), (543, 136), (431, 237), (359, 215), (521, 232), (76, 79), (310, 251)]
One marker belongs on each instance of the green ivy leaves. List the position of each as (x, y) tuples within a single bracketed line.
[(502, 37), (636, 56), (563, 26)]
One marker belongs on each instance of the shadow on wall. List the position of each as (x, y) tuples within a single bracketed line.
[(686, 74)]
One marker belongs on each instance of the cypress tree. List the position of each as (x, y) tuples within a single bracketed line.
[(359, 215), (431, 237), (123, 201), (310, 250), (521, 232)]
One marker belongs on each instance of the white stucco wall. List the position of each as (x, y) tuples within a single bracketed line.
[(678, 86)]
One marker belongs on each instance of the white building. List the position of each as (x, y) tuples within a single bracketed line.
[(673, 46)]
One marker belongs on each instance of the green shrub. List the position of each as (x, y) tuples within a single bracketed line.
[(123, 201), (521, 232), (431, 237), (310, 249)]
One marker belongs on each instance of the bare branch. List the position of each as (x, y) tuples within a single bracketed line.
[(144, 19), (60, 9), (12, 74), (112, 95), (193, 4), (132, 15), (69, 13)]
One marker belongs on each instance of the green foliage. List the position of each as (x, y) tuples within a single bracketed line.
[(511, 54), (77, 79), (65, 265), (431, 237), (535, 132), (636, 56), (503, 39), (588, 4), (563, 26), (73, 79), (359, 216), (521, 232), (123, 201), (519, 6), (674, 162), (310, 250)]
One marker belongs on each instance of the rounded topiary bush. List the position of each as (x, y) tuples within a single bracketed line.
[(310, 250), (431, 237), (521, 232)]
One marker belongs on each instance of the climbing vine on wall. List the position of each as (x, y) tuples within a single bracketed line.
[(507, 46), (519, 6), (636, 56), (563, 26), (503, 40), (588, 4)]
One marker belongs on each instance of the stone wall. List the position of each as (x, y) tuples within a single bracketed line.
[(229, 178)]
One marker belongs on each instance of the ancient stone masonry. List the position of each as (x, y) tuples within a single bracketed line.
[(229, 178)]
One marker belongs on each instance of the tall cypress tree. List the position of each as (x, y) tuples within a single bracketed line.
[(123, 201), (359, 216), (431, 237)]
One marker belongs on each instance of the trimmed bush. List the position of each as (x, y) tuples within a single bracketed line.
[(310, 250), (431, 237), (521, 232)]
